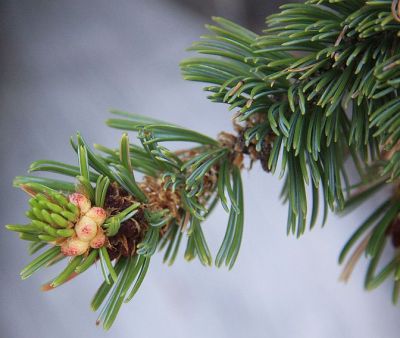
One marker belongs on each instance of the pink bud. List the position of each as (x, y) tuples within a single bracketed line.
[(74, 247), (99, 240), (97, 214), (81, 201), (86, 228)]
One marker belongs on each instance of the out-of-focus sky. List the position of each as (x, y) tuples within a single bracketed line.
[(63, 64)]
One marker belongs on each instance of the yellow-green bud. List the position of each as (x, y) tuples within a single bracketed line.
[(66, 232), (59, 220)]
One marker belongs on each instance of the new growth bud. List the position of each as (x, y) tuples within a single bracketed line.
[(67, 221), (74, 247), (97, 214), (81, 201), (99, 240), (86, 228)]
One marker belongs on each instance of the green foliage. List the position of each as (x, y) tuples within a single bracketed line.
[(322, 78)]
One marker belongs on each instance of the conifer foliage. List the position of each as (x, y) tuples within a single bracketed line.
[(313, 95)]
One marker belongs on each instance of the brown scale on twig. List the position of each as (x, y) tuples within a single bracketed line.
[(394, 232), (238, 144), (133, 230), (159, 198)]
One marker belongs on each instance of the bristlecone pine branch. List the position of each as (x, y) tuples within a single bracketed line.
[(316, 89), (109, 217)]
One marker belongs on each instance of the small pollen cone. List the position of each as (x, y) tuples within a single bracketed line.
[(74, 247), (86, 228), (97, 214), (99, 240), (81, 201)]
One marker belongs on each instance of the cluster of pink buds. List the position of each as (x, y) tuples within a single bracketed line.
[(89, 233)]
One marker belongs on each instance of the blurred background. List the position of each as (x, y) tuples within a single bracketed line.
[(63, 65)]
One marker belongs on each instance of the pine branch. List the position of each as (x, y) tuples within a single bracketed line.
[(316, 89), (320, 84), (108, 216)]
